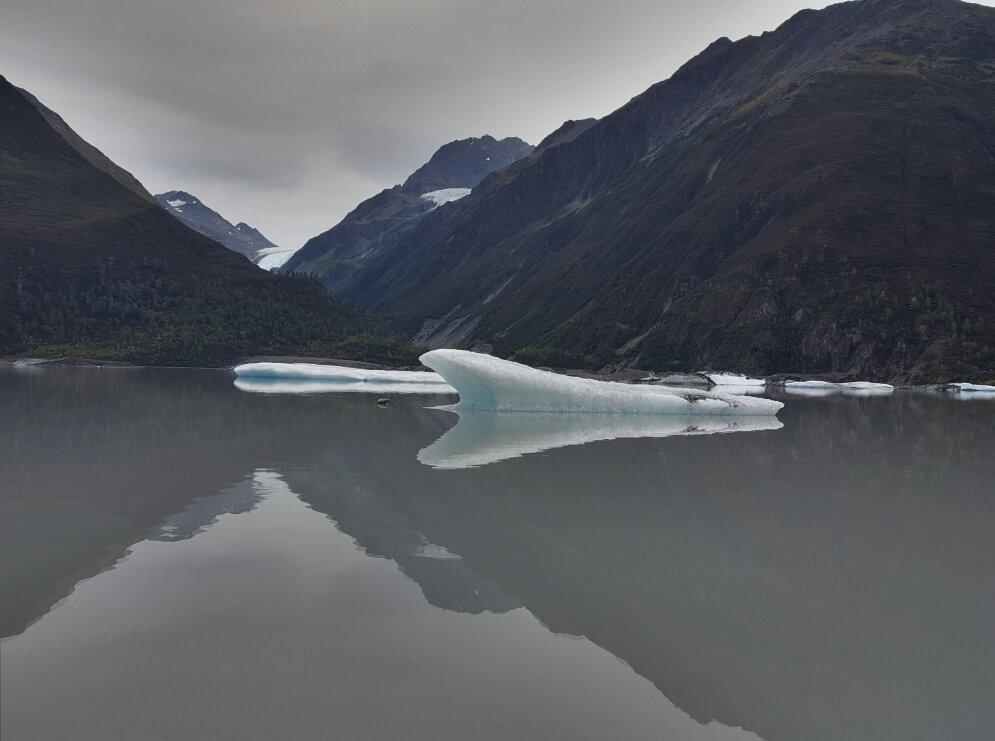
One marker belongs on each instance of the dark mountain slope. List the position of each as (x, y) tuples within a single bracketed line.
[(91, 268), (819, 198), (381, 221), (240, 238), (93, 155)]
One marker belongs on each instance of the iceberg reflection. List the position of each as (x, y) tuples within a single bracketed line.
[(260, 385), (481, 437)]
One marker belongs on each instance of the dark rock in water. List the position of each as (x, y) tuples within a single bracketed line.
[(383, 402)]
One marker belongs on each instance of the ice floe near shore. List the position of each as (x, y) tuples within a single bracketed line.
[(480, 438), (313, 378), (856, 388), (974, 388), (735, 379), (488, 383)]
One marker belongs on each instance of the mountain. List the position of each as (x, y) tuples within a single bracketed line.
[(93, 155), (815, 199), (379, 222), (92, 268), (240, 238)]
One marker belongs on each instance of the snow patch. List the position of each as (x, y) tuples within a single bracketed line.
[(488, 383), (446, 195), (177, 203)]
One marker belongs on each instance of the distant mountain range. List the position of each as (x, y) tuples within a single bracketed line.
[(93, 267), (240, 238), (820, 198), (380, 222)]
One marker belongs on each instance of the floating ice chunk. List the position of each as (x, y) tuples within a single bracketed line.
[(734, 379), (446, 195), (480, 438), (301, 378), (488, 383), (853, 388), (976, 388), (809, 385)]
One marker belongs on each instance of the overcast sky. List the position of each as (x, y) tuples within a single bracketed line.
[(286, 113)]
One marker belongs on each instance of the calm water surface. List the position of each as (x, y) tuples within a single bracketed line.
[(184, 559)]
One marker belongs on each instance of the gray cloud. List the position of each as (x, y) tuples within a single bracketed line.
[(286, 113)]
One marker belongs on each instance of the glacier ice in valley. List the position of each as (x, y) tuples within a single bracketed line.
[(445, 195), (488, 383)]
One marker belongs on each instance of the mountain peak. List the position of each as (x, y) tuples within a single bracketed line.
[(465, 162), (243, 239)]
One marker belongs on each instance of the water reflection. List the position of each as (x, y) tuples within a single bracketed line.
[(832, 580), (297, 386), (481, 437)]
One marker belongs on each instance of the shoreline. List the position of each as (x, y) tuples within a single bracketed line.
[(775, 380)]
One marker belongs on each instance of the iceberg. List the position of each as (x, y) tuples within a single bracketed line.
[(853, 388), (480, 438), (491, 384), (284, 378), (734, 379), (976, 388)]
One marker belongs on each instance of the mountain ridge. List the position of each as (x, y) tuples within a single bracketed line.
[(378, 222), (241, 238), (93, 269), (814, 199)]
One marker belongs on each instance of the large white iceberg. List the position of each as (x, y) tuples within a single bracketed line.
[(734, 379), (310, 378), (480, 438), (488, 383)]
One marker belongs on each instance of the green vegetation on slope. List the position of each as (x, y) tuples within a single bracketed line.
[(90, 269)]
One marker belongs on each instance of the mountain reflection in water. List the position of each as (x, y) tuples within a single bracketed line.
[(832, 579)]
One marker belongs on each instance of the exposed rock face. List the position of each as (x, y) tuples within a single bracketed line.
[(816, 199), (378, 223)]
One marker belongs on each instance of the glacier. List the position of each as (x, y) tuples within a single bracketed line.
[(313, 378), (445, 195), (480, 438), (488, 383)]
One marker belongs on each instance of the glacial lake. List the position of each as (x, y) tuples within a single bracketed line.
[(184, 559)]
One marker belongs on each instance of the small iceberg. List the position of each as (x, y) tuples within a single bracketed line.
[(973, 388), (854, 388), (480, 438), (309, 378), (491, 384), (735, 379)]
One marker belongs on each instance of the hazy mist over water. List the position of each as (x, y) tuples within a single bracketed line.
[(184, 559)]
